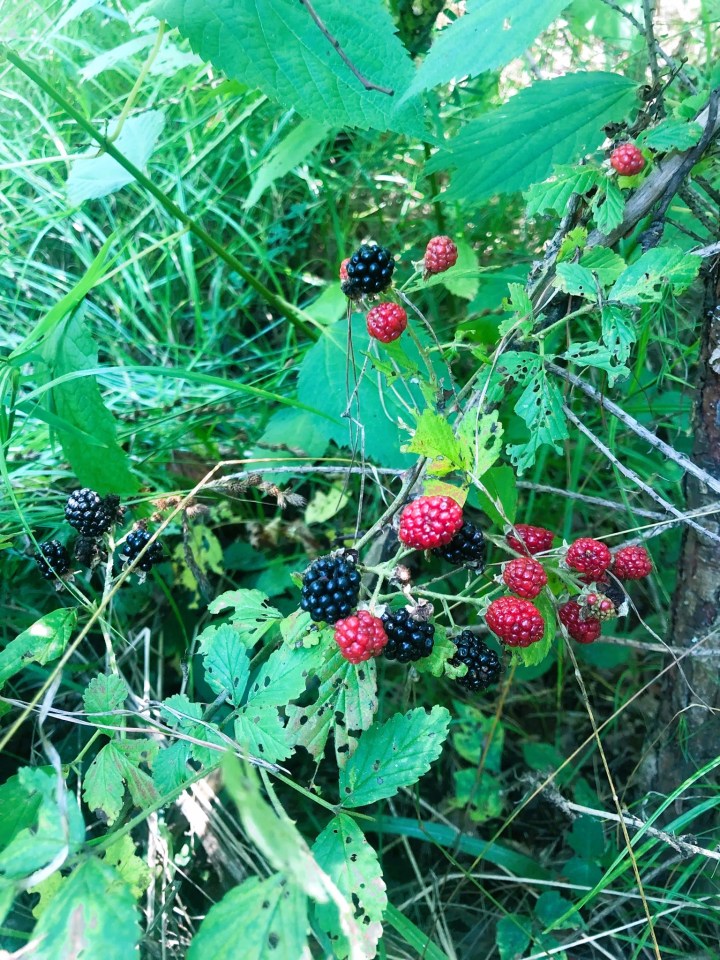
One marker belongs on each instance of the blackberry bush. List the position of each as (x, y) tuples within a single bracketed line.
[(331, 586), (52, 559), (135, 542), (484, 667), (409, 639)]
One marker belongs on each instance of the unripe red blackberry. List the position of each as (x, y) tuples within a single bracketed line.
[(530, 539), (386, 322), (631, 563), (525, 576), (360, 636), (627, 159), (440, 254), (430, 522), (584, 631), (589, 557), (518, 623)]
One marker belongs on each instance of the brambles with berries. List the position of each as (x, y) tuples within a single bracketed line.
[(530, 539), (627, 159), (410, 637), (430, 522), (584, 630), (466, 549), (386, 322), (441, 253), (589, 557), (369, 270), (360, 636), (91, 515), (331, 587), (631, 563), (525, 577), (52, 559), (484, 667), (517, 622)]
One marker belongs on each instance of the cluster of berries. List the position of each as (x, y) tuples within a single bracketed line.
[(369, 271), (518, 622), (331, 588), (93, 516)]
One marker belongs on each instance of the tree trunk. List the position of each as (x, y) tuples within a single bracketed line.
[(688, 727)]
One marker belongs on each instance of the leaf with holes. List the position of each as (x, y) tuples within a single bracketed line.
[(283, 676), (618, 331), (116, 767), (342, 850), (434, 439), (647, 280), (261, 732), (480, 440), (540, 406), (608, 206), (576, 280), (227, 665), (262, 918), (252, 616), (170, 769), (42, 642), (102, 695), (593, 355), (93, 914), (392, 755), (605, 264)]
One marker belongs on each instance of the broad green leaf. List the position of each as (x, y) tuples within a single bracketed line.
[(618, 331), (325, 504), (483, 798), (586, 838), (261, 732), (554, 194), (121, 855), (105, 693), (18, 809), (540, 406), (115, 767), (227, 665), (343, 852), (594, 355), (92, 915), (513, 935), (480, 439), (44, 641), (604, 263), (608, 206), (648, 278), (346, 702), (275, 45), (57, 829), (489, 35), (101, 464), (261, 918), (550, 123), (91, 176), (496, 494), (283, 676), (671, 135), (392, 755), (183, 714), (576, 280), (434, 439), (551, 910), (251, 614), (288, 154), (470, 734), (270, 830), (170, 769)]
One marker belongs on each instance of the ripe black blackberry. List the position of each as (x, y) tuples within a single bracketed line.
[(91, 515), (409, 639), (483, 664), (88, 552), (331, 586), (369, 270), (466, 549), (134, 543), (52, 559)]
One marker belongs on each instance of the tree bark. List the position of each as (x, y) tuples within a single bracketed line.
[(688, 721)]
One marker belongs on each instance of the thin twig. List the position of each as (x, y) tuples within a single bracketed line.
[(368, 84), (652, 45), (710, 251), (585, 498)]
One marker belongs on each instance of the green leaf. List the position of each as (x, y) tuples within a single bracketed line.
[(536, 652), (586, 838), (18, 809), (604, 263), (551, 908), (554, 194), (324, 505), (283, 676), (170, 769), (576, 280), (443, 650), (483, 798), (120, 854), (262, 918), (227, 665), (647, 279), (185, 715), (392, 755), (57, 829), (593, 355), (463, 280), (251, 614), (618, 331), (115, 767), (275, 45), (99, 462), (552, 122), (671, 135), (470, 735), (497, 495), (343, 852), (434, 439), (608, 206), (262, 733), (42, 642), (489, 35), (285, 156), (103, 694), (513, 935), (93, 176), (346, 702), (540, 406), (480, 438), (92, 915)]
